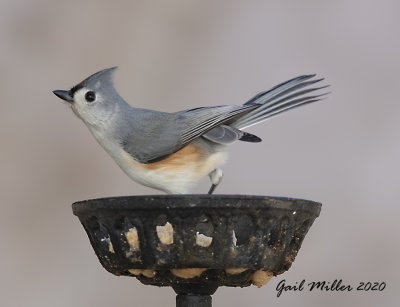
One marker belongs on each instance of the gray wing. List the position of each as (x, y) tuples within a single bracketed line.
[(225, 135), (208, 122), (166, 133), (149, 135)]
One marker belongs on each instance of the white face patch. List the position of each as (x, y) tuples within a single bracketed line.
[(85, 109), (79, 96)]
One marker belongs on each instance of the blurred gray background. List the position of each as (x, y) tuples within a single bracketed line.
[(176, 54)]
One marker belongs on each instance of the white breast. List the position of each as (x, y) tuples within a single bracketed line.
[(174, 175)]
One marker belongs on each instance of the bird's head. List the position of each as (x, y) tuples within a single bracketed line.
[(94, 99)]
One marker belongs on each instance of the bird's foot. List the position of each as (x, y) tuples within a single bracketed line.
[(216, 178)]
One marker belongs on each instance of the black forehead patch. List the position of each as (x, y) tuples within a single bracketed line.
[(76, 88)]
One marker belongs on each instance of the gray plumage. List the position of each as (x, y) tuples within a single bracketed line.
[(149, 136), (220, 124)]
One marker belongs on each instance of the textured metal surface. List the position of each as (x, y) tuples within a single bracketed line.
[(196, 243)]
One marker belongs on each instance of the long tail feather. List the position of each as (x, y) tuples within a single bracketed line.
[(283, 97)]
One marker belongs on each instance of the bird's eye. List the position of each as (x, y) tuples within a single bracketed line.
[(90, 96)]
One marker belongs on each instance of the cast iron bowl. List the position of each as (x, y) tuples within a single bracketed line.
[(196, 243)]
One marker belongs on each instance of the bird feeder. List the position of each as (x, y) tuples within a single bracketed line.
[(197, 243)]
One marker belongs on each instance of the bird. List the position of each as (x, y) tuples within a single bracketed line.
[(172, 151)]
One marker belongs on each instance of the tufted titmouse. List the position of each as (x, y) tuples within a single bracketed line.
[(172, 151)]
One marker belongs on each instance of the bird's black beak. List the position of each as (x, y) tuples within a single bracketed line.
[(64, 95)]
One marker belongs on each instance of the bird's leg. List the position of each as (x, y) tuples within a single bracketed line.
[(216, 178), (211, 190)]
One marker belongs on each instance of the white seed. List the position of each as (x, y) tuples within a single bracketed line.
[(145, 272), (203, 240), (165, 233), (133, 239), (234, 271), (260, 278), (188, 273)]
